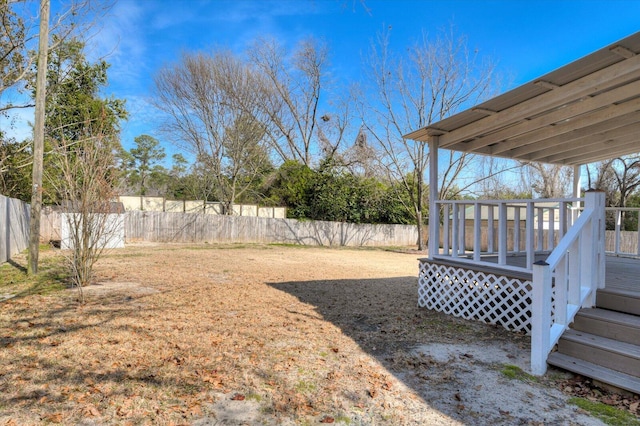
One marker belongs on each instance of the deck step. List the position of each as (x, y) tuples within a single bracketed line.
[(611, 324), (619, 356), (597, 372), (618, 300)]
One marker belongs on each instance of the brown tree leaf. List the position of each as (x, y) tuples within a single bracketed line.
[(53, 417), (327, 419), (90, 411)]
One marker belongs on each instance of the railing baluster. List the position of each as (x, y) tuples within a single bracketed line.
[(445, 237), (551, 225), (560, 292), (502, 234), (462, 230), (530, 236), (638, 251), (617, 235), (516, 229), (456, 224), (490, 229), (540, 244), (477, 230), (562, 221), (574, 272)]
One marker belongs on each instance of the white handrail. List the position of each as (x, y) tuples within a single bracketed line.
[(577, 265)]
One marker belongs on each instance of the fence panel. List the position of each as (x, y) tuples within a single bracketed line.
[(184, 227), (14, 227)]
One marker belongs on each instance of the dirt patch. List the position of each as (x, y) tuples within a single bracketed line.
[(241, 334)]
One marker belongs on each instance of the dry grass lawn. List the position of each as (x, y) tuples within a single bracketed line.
[(231, 334)]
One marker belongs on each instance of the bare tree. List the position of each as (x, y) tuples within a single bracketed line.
[(548, 180), (296, 93), (500, 179), (432, 81), (212, 103), (87, 177), (19, 30), (619, 178)]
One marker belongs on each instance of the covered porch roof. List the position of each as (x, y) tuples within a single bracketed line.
[(586, 111)]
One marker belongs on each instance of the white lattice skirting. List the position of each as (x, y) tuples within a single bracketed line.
[(476, 295)]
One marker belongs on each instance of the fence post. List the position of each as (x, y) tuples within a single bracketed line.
[(540, 317)]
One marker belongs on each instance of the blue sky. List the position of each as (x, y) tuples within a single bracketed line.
[(525, 39)]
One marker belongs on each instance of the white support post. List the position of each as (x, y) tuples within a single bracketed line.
[(434, 212), (577, 183), (593, 248), (540, 317)]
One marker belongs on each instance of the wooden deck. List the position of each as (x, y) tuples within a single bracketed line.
[(621, 273)]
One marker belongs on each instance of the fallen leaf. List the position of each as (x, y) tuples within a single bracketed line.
[(53, 417), (633, 407), (238, 397), (457, 396), (327, 419), (90, 411)]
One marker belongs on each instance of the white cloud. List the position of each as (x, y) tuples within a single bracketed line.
[(120, 40)]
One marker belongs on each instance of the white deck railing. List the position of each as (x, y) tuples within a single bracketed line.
[(567, 280), (474, 230), (619, 241)]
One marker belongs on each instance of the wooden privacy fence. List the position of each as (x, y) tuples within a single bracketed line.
[(189, 227), (14, 227)]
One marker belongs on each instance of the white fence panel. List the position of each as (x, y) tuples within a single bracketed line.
[(14, 227), (184, 227)]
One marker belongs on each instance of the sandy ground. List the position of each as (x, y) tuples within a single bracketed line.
[(235, 335)]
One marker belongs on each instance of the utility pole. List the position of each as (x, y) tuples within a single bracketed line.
[(38, 139)]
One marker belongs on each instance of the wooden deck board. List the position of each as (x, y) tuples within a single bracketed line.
[(621, 273)]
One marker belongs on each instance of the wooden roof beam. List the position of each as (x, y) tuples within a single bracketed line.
[(583, 121), (546, 84), (555, 147), (609, 149), (570, 111), (611, 76), (623, 51)]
